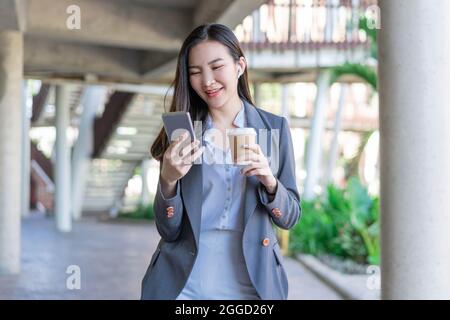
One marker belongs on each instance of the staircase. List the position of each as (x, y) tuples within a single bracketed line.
[(128, 145)]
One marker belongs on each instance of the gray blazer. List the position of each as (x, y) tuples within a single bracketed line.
[(175, 255)]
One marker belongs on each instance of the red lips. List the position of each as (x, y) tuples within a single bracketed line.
[(213, 92)]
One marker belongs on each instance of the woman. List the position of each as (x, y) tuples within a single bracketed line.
[(215, 219)]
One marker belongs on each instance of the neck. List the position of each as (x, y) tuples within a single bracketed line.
[(224, 117)]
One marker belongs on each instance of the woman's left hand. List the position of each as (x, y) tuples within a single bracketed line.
[(258, 166)]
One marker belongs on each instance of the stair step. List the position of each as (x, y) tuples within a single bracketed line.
[(110, 173)]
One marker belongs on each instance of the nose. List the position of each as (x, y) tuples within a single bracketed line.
[(208, 79)]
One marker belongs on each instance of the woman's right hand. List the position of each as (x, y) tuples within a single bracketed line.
[(177, 160)]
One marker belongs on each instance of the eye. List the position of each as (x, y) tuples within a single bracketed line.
[(194, 73), (217, 67)]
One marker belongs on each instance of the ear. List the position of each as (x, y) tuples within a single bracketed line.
[(241, 66)]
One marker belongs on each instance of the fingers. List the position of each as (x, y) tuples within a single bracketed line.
[(178, 143), (253, 147), (251, 166), (198, 153), (248, 157), (256, 171), (257, 161), (190, 157), (252, 153), (186, 150)]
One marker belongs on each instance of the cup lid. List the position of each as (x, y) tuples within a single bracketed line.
[(239, 131)]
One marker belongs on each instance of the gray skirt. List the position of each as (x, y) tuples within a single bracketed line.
[(219, 272)]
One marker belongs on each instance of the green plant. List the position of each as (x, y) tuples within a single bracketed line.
[(364, 72), (369, 75), (312, 233), (351, 165), (344, 223), (371, 35), (142, 212), (362, 213)]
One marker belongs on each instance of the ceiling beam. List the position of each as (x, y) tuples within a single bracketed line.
[(112, 23), (45, 58)]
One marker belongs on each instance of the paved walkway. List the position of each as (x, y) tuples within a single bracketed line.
[(112, 257)]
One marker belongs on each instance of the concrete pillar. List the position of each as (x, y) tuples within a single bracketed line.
[(256, 27), (93, 97), (334, 147), (414, 74), (62, 165), (314, 151), (145, 195), (284, 101), (25, 180), (11, 73), (329, 22)]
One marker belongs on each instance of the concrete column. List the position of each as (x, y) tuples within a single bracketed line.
[(414, 74), (62, 165), (334, 147), (256, 27), (329, 23), (25, 181), (11, 73), (145, 195), (352, 32), (93, 97), (314, 151)]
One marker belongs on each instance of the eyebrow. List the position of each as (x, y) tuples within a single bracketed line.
[(211, 62)]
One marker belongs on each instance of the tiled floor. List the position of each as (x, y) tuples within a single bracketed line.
[(112, 257)]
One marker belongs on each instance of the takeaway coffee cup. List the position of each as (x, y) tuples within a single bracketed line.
[(237, 137)]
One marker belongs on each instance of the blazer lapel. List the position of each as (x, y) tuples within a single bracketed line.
[(251, 188), (192, 182), (191, 190)]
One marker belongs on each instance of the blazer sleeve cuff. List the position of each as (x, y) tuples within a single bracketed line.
[(168, 221), (175, 200), (278, 199)]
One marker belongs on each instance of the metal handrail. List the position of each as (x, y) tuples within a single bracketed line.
[(309, 24)]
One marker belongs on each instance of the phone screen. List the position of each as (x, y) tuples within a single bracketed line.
[(177, 123)]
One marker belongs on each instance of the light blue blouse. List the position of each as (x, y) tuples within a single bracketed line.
[(223, 185), (220, 271)]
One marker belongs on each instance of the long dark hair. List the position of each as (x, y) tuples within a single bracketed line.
[(184, 96)]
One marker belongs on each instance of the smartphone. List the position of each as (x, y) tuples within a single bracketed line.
[(177, 123)]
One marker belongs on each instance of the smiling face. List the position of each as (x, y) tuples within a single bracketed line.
[(213, 73)]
